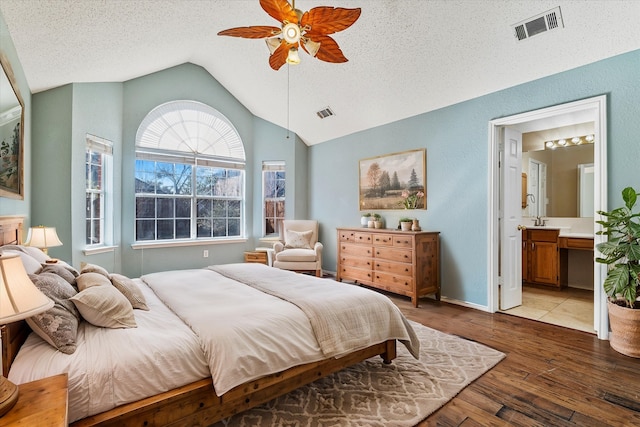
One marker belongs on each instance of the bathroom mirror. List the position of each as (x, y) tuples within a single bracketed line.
[(557, 175), (11, 134)]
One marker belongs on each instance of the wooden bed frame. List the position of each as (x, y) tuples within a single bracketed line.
[(194, 404)]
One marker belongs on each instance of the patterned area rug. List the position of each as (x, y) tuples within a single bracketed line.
[(373, 394)]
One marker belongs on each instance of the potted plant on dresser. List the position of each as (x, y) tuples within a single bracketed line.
[(621, 253)]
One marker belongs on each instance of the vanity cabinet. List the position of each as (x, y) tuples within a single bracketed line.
[(402, 262), (541, 257)]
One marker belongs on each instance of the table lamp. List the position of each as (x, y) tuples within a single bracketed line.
[(43, 237), (19, 299)]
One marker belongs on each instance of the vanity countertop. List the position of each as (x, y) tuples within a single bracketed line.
[(564, 231)]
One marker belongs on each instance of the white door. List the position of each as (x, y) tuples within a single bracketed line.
[(511, 242)]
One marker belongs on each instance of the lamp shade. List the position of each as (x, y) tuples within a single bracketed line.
[(19, 297), (43, 237)]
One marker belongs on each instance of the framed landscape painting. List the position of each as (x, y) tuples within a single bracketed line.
[(394, 181)]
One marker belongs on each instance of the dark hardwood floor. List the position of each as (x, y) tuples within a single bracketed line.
[(552, 376)]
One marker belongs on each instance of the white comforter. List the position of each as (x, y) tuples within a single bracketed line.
[(247, 333), (115, 366)]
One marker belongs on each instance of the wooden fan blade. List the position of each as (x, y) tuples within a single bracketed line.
[(329, 20), (329, 50), (279, 56), (255, 32), (280, 10)]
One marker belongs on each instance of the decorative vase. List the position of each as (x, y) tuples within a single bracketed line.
[(415, 226), (371, 223), (625, 329), (377, 224), (406, 225), (364, 221)]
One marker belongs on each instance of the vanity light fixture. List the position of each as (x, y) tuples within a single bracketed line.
[(568, 142)]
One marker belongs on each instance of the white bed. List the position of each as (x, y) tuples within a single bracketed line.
[(210, 324)]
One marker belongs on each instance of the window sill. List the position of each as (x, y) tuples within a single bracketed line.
[(99, 250), (179, 243)]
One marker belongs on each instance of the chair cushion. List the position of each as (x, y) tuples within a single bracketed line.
[(298, 239), (296, 255)]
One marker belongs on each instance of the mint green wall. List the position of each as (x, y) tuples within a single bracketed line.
[(62, 118), (457, 144), (16, 206)]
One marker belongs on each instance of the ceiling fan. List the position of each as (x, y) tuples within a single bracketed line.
[(309, 30)]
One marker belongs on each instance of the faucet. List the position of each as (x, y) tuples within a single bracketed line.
[(540, 222)]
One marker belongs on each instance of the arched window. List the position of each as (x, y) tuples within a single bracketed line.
[(189, 174)]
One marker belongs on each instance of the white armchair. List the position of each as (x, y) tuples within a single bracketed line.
[(301, 250)]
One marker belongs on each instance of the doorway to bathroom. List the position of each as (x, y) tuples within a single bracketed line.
[(507, 204)]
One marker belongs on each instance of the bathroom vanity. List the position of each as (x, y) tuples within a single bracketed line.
[(545, 254)]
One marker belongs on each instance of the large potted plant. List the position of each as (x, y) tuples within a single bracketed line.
[(621, 253)]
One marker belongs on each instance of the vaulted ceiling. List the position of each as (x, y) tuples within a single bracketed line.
[(405, 57)]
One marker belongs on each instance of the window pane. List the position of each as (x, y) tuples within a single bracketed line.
[(183, 228), (269, 185), (204, 228), (219, 227), (183, 208), (183, 179), (88, 207), (280, 209), (204, 181), (234, 227), (96, 232), (165, 208), (88, 232), (145, 229), (96, 158), (270, 226), (219, 208), (165, 229), (97, 202), (205, 209), (145, 207), (279, 189), (234, 208), (145, 183), (96, 177)]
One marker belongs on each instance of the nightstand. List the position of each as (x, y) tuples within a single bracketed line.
[(256, 256), (42, 403)]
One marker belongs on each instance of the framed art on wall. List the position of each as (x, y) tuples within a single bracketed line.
[(394, 181), (11, 135)]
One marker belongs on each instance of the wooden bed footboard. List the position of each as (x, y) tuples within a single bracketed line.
[(196, 404)]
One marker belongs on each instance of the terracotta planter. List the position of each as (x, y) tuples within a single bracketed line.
[(406, 226), (625, 330)]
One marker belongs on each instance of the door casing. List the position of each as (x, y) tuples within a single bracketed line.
[(590, 109)]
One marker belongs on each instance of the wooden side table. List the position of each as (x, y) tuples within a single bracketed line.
[(40, 403), (256, 256)]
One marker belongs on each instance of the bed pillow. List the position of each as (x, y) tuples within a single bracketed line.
[(87, 280), (130, 290), (298, 239), (93, 268), (31, 265), (61, 271), (59, 325), (105, 306)]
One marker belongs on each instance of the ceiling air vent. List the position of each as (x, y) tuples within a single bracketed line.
[(547, 21), (323, 114)]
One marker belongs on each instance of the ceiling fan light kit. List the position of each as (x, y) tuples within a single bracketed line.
[(309, 30)]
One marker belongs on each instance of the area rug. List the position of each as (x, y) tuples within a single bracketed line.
[(373, 394)]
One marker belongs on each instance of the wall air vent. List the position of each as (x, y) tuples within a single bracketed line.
[(323, 114), (546, 21)]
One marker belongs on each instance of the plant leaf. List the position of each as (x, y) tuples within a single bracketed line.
[(629, 196)]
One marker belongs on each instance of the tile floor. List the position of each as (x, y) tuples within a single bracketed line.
[(569, 307)]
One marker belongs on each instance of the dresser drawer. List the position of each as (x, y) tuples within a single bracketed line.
[(358, 262), (399, 268), (257, 257), (393, 283), (357, 274), (353, 249), (347, 236), (401, 255), (402, 242), (383, 239), (363, 238)]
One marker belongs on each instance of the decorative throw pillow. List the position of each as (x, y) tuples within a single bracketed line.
[(31, 265), (298, 239), (105, 306), (93, 268), (130, 290), (59, 325), (61, 271), (87, 280)]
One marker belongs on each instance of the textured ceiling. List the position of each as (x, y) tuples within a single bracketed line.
[(405, 57)]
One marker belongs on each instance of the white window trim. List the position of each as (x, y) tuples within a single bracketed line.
[(105, 147)]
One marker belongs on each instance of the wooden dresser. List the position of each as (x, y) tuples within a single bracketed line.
[(402, 262)]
